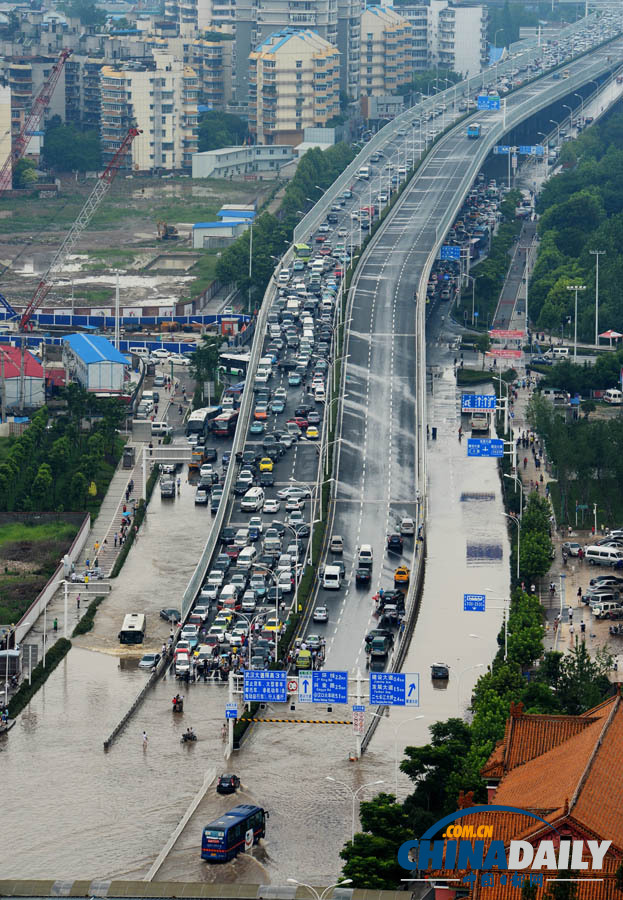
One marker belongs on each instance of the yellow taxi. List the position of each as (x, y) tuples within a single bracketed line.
[(401, 575), (266, 464), (312, 433)]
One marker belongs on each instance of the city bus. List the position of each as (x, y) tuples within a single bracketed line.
[(200, 421), (225, 424), (302, 251), (232, 833), (133, 629), (473, 131), (234, 365)]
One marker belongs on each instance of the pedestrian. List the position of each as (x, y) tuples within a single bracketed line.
[(136, 532), (571, 632), (570, 611), (583, 626), (151, 448), (127, 494), (460, 433), (144, 740), (552, 588), (579, 594), (164, 650), (116, 538), (581, 555), (86, 582), (533, 589), (96, 547), (78, 602), (569, 530), (87, 563), (55, 624)]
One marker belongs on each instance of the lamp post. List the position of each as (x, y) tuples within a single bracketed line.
[(259, 567), (354, 795), (315, 894), (506, 609), (461, 673), (518, 524), (396, 729), (575, 288), (597, 254), (581, 99), (564, 106), (314, 500), (473, 278), (517, 481), (557, 124)]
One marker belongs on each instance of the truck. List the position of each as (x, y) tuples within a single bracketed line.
[(167, 486)]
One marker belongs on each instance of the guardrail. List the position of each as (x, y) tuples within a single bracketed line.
[(149, 684)]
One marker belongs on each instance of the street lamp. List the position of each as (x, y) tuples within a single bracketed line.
[(461, 673), (516, 521), (597, 254), (576, 288), (258, 566), (315, 894), (506, 608), (473, 280), (557, 124), (354, 795), (581, 99), (396, 728), (517, 481)]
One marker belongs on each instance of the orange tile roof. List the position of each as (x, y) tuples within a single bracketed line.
[(529, 736)]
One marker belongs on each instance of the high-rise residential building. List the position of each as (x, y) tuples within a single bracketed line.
[(25, 75), (160, 98), (447, 36), (386, 51), (256, 20), (5, 131), (348, 43), (294, 83)]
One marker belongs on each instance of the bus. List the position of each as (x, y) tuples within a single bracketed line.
[(234, 832), (200, 421), (133, 629), (234, 365), (302, 251), (225, 424), (473, 131)]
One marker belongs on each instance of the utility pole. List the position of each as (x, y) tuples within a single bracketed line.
[(597, 254), (576, 288)]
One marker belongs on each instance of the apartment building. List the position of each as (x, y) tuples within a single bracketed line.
[(25, 74), (160, 98), (257, 20), (294, 83), (386, 51), (252, 161), (349, 44), (448, 35), (5, 132)]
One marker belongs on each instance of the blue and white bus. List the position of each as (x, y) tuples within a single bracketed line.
[(200, 421), (234, 832), (473, 131)]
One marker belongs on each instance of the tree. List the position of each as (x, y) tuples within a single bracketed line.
[(78, 490), (85, 10), (42, 487), (24, 174), (534, 555), (218, 129), (579, 681), (67, 149), (204, 362), (587, 407)]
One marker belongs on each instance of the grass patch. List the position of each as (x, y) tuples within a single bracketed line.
[(18, 532), (87, 621), (53, 657), (205, 273), (473, 376)]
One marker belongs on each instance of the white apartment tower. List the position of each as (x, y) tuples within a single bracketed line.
[(386, 51), (161, 100)]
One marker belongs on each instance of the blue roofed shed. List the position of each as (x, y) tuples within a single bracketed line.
[(95, 363)]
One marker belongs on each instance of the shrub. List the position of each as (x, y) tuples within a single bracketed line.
[(87, 621)]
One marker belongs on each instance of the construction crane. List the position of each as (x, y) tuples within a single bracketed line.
[(32, 122), (93, 201)]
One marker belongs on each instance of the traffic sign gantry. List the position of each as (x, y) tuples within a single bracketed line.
[(323, 687), (394, 689), (485, 447), (474, 602), (265, 685)]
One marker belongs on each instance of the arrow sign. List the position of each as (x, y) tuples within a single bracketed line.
[(412, 689), (305, 685)]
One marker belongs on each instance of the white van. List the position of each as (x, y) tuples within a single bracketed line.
[(364, 173), (253, 500), (332, 578), (614, 397), (148, 395), (320, 394), (365, 556), (143, 352), (160, 429), (560, 352), (599, 555), (246, 558)]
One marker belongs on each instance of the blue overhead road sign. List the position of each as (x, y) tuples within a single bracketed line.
[(485, 447), (474, 602), (323, 687), (394, 689), (265, 686), (501, 149), (478, 401), (448, 251)]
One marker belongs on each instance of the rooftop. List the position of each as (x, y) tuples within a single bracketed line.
[(93, 348), (11, 356)]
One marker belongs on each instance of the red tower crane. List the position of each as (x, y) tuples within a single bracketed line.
[(32, 121), (93, 201)]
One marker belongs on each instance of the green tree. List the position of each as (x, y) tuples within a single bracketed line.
[(219, 129), (24, 174), (42, 487), (85, 10), (67, 149), (78, 491), (534, 556), (204, 362)]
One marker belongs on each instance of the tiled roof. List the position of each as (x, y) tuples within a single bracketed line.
[(529, 736)]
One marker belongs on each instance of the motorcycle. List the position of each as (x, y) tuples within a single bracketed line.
[(188, 736), (178, 705)]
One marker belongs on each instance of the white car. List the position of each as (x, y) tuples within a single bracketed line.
[(271, 506), (296, 518), (178, 360), (161, 353), (343, 232), (285, 581), (299, 492), (206, 469), (293, 503)]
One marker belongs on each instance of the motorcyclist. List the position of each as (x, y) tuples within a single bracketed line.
[(190, 734)]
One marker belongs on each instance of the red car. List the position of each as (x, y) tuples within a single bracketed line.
[(325, 251), (232, 551), (300, 421), (320, 239), (338, 273)]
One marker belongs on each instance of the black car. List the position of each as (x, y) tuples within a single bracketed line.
[(225, 458), (171, 615), (541, 361), (278, 526), (222, 562), (268, 560), (227, 784), (274, 595), (302, 411), (440, 671), (394, 543), (210, 454), (288, 364), (228, 534), (362, 575), (266, 479), (393, 598)]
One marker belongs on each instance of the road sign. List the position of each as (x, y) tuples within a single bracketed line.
[(394, 689), (474, 602), (293, 685), (478, 401), (502, 149), (449, 251), (265, 686), (231, 712), (485, 102), (359, 713), (323, 687), (485, 447)]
